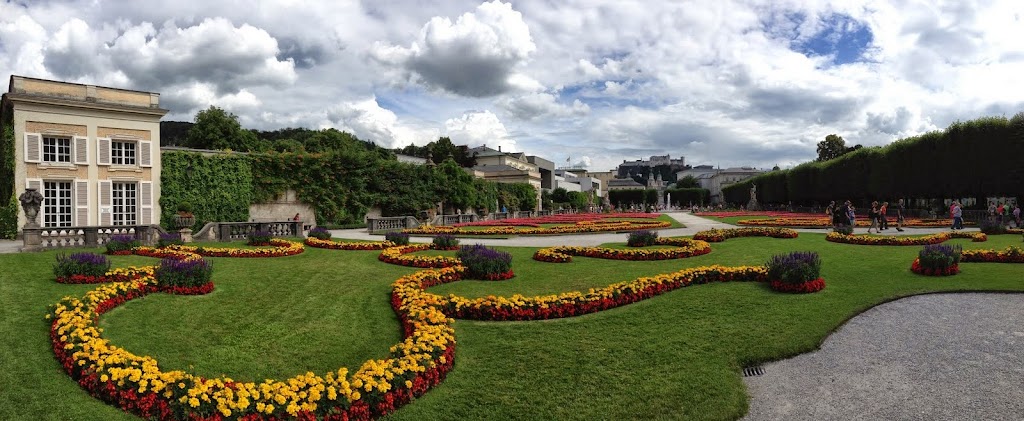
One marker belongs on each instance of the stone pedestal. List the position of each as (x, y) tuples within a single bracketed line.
[(185, 234), (752, 205), (32, 239)]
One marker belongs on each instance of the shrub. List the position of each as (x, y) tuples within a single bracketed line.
[(260, 238), (844, 229), (794, 268), (169, 239), (446, 241), (939, 256), (190, 272), (485, 263), (399, 238), (185, 208), (990, 227), (84, 264), (642, 238), (320, 233), (121, 243)]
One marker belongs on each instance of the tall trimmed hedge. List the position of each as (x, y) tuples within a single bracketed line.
[(976, 158), (684, 197), (219, 187), (8, 193)]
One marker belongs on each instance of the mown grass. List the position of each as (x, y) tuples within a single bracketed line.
[(675, 356)]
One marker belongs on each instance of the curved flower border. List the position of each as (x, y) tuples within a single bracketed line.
[(397, 256), (1009, 255), (579, 227), (687, 248), (360, 245), (719, 235), (114, 275), (866, 240), (824, 222), (801, 288)]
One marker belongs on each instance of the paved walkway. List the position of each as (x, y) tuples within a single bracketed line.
[(927, 357)]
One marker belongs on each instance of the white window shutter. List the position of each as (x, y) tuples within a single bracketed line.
[(145, 154), (81, 203), (145, 202), (35, 183), (106, 215), (103, 151), (33, 147), (81, 145)]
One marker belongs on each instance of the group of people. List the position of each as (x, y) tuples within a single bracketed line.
[(846, 215), (999, 213)]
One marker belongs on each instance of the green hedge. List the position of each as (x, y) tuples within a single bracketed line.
[(219, 187), (977, 158), (8, 192), (684, 197)]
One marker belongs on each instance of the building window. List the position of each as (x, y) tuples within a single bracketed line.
[(122, 153), (125, 201), (56, 204), (56, 149)]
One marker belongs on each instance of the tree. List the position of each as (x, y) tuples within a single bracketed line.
[(219, 129), (688, 182), (559, 195), (832, 147)]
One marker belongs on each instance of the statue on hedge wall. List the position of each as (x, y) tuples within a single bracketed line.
[(30, 201)]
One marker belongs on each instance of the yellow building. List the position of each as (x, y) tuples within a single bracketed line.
[(506, 167), (92, 152)]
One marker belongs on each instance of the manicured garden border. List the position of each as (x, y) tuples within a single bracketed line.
[(825, 222), (579, 227), (687, 248), (358, 245), (802, 288), (1009, 255), (866, 240), (719, 235), (946, 271)]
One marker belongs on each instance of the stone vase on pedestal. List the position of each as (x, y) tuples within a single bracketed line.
[(184, 225)]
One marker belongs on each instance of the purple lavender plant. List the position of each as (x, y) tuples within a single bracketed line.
[(320, 233), (121, 242), (259, 238), (185, 272), (171, 238), (446, 241), (939, 256), (642, 238), (794, 268), (399, 238), (86, 264), (481, 261)]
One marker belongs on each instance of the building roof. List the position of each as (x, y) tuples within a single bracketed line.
[(483, 151), (496, 168), (623, 182), (26, 89)]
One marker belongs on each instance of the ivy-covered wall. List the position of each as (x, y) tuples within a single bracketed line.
[(219, 187), (8, 195)]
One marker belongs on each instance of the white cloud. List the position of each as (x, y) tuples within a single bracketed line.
[(477, 128), (368, 121), (475, 56)]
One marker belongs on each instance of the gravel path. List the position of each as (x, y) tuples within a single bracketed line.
[(927, 357)]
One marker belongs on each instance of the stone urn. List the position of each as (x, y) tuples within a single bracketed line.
[(182, 221), (30, 201)]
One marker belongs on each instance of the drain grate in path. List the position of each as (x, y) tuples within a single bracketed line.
[(753, 371)]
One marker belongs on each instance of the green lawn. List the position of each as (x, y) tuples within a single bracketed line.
[(674, 356)]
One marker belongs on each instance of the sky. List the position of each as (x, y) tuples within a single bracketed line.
[(580, 82)]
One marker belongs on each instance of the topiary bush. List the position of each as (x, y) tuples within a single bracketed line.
[(399, 238), (319, 233), (122, 244), (485, 263), (446, 242), (799, 271), (642, 238)]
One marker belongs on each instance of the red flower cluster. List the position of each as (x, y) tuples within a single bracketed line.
[(729, 214), (396, 256), (499, 276), (86, 279), (719, 235), (946, 271), (1010, 255), (802, 288), (867, 240)]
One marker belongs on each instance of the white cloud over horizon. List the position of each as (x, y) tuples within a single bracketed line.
[(730, 82)]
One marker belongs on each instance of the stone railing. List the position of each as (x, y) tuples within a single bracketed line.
[(391, 223), (499, 215), (229, 231), (544, 213), (455, 219), (50, 238), (524, 214)]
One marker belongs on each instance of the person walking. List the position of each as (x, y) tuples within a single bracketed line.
[(883, 221), (900, 210), (1000, 213), (958, 216), (851, 215), (873, 217), (1016, 215)]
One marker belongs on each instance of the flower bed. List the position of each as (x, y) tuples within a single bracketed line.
[(319, 233), (937, 260), (518, 307), (1010, 255), (121, 244), (868, 240), (445, 242), (826, 222), (397, 256), (642, 238), (81, 268), (687, 248), (485, 263), (719, 235), (279, 248), (399, 238), (583, 227), (137, 385), (796, 272), (569, 218), (356, 245)]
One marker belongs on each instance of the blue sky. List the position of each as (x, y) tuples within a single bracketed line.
[(726, 82)]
